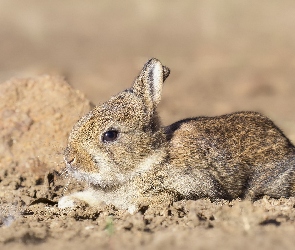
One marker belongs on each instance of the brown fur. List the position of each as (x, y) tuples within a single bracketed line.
[(244, 153)]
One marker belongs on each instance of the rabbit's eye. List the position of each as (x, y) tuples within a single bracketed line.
[(110, 136)]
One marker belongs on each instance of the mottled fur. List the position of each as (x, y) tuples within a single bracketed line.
[(236, 155)]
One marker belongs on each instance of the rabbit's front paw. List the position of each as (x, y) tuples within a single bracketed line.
[(80, 198), (67, 202)]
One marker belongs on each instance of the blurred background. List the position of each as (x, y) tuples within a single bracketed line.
[(224, 55)]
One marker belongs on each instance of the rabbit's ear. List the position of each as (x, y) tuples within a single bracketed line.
[(148, 85)]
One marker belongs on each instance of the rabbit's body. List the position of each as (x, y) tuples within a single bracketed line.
[(237, 155), (129, 160)]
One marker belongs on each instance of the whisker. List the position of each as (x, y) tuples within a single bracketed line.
[(65, 189)]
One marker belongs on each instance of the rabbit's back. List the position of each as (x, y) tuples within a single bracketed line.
[(242, 154)]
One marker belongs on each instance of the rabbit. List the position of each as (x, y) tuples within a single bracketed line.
[(130, 160)]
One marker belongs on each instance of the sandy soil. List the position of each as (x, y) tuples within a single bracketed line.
[(42, 110), (224, 56)]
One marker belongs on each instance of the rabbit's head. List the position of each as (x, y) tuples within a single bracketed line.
[(122, 136)]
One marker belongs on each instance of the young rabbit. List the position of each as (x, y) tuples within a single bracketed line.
[(129, 160)]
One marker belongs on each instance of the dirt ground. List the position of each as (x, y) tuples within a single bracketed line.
[(59, 57)]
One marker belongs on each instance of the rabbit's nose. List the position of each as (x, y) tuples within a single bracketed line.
[(70, 160), (68, 157)]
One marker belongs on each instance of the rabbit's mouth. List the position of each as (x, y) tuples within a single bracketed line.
[(70, 169), (96, 180)]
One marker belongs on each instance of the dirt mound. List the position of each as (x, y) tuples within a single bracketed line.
[(36, 116)]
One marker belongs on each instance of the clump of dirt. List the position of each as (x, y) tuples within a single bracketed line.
[(36, 117)]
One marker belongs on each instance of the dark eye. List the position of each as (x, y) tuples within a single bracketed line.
[(110, 136)]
